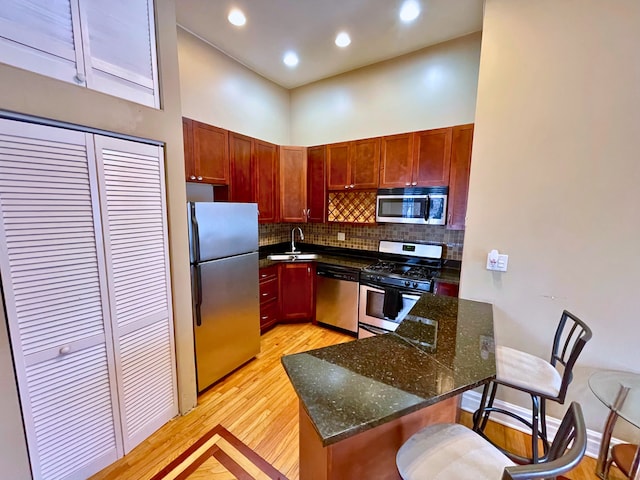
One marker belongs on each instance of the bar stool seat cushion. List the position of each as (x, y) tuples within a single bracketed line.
[(449, 451), (526, 371)]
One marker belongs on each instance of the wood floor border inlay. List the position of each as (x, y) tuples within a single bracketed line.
[(230, 452)]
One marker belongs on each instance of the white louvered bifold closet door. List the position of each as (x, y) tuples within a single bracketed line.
[(135, 231), (43, 37), (120, 50), (54, 286)]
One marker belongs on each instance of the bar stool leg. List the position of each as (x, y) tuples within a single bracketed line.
[(534, 428)]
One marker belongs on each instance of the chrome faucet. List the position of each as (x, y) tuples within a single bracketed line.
[(293, 234)]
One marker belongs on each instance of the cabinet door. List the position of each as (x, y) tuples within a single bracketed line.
[(241, 168), (42, 37), (459, 179), (365, 163), (120, 48), (396, 161), (316, 184), (135, 238), (53, 279), (338, 172), (266, 168), (297, 291), (189, 159), (293, 184), (211, 152), (431, 157)]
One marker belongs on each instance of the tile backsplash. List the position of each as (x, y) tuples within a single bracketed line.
[(365, 237)]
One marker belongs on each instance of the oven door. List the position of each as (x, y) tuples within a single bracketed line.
[(371, 320)]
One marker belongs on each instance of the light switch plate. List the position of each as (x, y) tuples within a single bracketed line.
[(499, 265), (341, 236)]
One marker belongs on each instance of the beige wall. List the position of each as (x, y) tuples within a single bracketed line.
[(554, 179), (435, 87), (36, 95), (216, 89)]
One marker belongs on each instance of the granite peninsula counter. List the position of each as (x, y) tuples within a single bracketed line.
[(360, 400)]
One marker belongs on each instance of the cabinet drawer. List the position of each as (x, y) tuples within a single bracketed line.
[(268, 273), (268, 315), (268, 290)]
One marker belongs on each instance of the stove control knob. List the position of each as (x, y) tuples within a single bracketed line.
[(415, 284), (407, 283)]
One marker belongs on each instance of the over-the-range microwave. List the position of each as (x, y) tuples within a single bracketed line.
[(423, 206)]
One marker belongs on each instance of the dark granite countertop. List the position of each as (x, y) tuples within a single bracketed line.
[(345, 257), (351, 387)]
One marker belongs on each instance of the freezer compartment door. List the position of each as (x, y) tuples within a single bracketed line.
[(221, 229), (227, 333)]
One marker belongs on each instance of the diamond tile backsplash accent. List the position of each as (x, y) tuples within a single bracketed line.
[(352, 207), (366, 237)]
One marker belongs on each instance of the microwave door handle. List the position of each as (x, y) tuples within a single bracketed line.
[(428, 209)]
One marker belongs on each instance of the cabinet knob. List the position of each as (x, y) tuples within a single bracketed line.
[(264, 295), (308, 212), (264, 318), (407, 184), (351, 186), (346, 186), (414, 183), (200, 178), (192, 177), (64, 350)]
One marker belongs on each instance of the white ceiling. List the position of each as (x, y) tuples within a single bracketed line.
[(310, 26)]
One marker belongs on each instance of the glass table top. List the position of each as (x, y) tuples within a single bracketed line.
[(606, 385)]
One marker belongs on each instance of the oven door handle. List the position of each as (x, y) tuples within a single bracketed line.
[(372, 329)]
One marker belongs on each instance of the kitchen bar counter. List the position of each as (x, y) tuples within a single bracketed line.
[(379, 390)]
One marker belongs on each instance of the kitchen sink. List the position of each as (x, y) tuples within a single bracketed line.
[(292, 257)]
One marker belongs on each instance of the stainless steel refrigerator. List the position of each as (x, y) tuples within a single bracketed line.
[(224, 279)]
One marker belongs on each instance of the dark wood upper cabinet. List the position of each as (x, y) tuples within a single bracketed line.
[(241, 165), (431, 156), (293, 184), (417, 159), (338, 168), (365, 163), (266, 163), (462, 140), (396, 162), (316, 184), (353, 165), (189, 159), (206, 153)]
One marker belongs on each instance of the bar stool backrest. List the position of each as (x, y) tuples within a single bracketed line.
[(566, 451), (571, 336)]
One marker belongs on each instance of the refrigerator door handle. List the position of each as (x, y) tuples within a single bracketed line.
[(195, 237), (197, 294)]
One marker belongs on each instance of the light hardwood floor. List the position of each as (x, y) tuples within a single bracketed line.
[(258, 405)]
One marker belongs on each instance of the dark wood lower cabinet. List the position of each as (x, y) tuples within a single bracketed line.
[(269, 297), (297, 284), (446, 289)]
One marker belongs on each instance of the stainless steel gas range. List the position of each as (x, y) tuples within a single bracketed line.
[(393, 285)]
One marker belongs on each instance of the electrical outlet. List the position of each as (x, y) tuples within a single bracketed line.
[(341, 236)]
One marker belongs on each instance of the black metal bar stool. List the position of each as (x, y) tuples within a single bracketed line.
[(542, 380), (450, 451)]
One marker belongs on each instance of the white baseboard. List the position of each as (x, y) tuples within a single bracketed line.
[(471, 402)]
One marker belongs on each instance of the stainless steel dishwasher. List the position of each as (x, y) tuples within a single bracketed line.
[(337, 297)]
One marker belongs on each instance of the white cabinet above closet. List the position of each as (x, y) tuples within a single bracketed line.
[(109, 46)]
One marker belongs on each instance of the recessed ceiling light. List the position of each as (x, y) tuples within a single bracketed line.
[(237, 18), (343, 39), (290, 59), (409, 11)]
